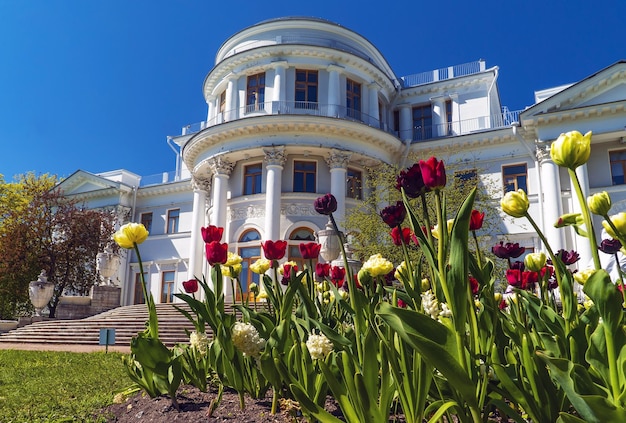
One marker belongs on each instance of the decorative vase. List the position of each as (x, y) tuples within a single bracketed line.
[(329, 239), (40, 292), (107, 264)]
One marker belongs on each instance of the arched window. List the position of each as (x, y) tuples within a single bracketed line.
[(250, 251), (299, 236)]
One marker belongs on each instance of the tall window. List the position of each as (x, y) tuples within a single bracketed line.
[(618, 166), (172, 221), (353, 99), (138, 294), (252, 179), (255, 92), (422, 122), (297, 237), (304, 175), (448, 117), (167, 286), (354, 183), (514, 177), (306, 89), (248, 254), (146, 220), (223, 102)]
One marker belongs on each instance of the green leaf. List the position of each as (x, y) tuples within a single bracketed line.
[(434, 342), (311, 407)]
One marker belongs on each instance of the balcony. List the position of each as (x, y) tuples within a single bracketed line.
[(467, 126), (442, 74), (287, 108)]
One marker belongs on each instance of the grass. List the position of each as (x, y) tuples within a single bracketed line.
[(46, 386)]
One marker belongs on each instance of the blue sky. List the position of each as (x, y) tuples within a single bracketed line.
[(98, 85)]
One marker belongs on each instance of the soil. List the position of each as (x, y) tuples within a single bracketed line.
[(194, 407)]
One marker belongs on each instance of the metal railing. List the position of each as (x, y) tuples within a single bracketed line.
[(159, 178), (462, 127), (442, 74)]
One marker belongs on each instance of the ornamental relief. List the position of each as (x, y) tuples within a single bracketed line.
[(248, 212), (298, 209)]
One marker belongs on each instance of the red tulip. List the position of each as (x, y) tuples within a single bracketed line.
[(212, 233), (274, 250), (310, 250), (322, 270), (326, 204), (393, 215), (476, 220), (401, 235), (190, 286), (433, 173), (474, 285), (337, 275), (216, 253)]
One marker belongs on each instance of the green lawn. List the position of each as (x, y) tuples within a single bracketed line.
[(45, 386)]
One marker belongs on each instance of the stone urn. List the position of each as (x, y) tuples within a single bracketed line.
[(107, 264), (40, 292), (331, 247)]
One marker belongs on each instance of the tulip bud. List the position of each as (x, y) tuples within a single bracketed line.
[(254, 288), (569, 219), (599, 203), (619, 221), (582, 276), (364, 277), (515, 203), (535, 261), (497, 296), (425, 285), (571, 149)]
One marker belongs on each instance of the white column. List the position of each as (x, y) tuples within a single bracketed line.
[(552, 199), (582, 245), (196, 246), (334, 90), (210, 117), (279, 94), (439, 116), (405, 131), (231, 99), (338, 162), (221, 169), (373, 110), (274, 161)]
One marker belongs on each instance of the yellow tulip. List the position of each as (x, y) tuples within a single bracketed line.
[(376, 265), (582, 276), (435, 229), (535, 261), (260, 266), (571, 149), (599, 203), (233, 259), (515, 203), (619, 220), (130, 234)]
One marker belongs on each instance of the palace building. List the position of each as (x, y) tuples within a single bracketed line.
[(298, 107)]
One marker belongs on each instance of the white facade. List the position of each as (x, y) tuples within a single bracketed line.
[(300, 107)]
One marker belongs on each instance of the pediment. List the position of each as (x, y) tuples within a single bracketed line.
[(81, 182), (600, 89)]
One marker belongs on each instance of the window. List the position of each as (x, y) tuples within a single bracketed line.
[(354, 183), (167, 286), (514, 177), (172, 221), (396, 121), (304, 174), (448, 117), (146, 220), (255, 93), (248, 254), (138, 294), (297, 237), (306, 89), (353, 99), (252, 179), (223, 102), (422, 122), (618, 166)]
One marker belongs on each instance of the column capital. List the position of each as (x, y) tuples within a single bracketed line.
[(374, 86), (201, 184), (338, 159), (221, 166), (275, 156), (335, 68), (280, 64), (543, 153)]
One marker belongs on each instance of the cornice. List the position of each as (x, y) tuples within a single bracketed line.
[(439, 87), (168, 188), (98, 193), (482, 139), (247, 62), (586, 112), (324, 130)]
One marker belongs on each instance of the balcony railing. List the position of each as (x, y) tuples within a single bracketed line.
[(442, 74), (467, 126), (159, 178), (287, 108)]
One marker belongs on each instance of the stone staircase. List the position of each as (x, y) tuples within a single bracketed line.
[(126, 321)]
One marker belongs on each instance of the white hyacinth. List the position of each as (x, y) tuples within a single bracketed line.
[(319, 346), (247, 340), (199, 341), (430, 304)]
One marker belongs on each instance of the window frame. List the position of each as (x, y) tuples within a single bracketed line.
[(138, 297), (247, 276), (422, 123), (168, 295), (514, 177), (305, 87), (623, 163), (353, 99), (175, 220), (352, 190), (143, 218), (305, 173), (256, 177), (255, 100)]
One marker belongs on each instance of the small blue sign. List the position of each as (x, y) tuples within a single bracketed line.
[(107, 336)]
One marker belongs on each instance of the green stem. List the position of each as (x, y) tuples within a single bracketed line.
[(612, 360), (586, 218), (152, 315)]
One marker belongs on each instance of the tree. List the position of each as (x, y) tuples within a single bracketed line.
[(50, 232)]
